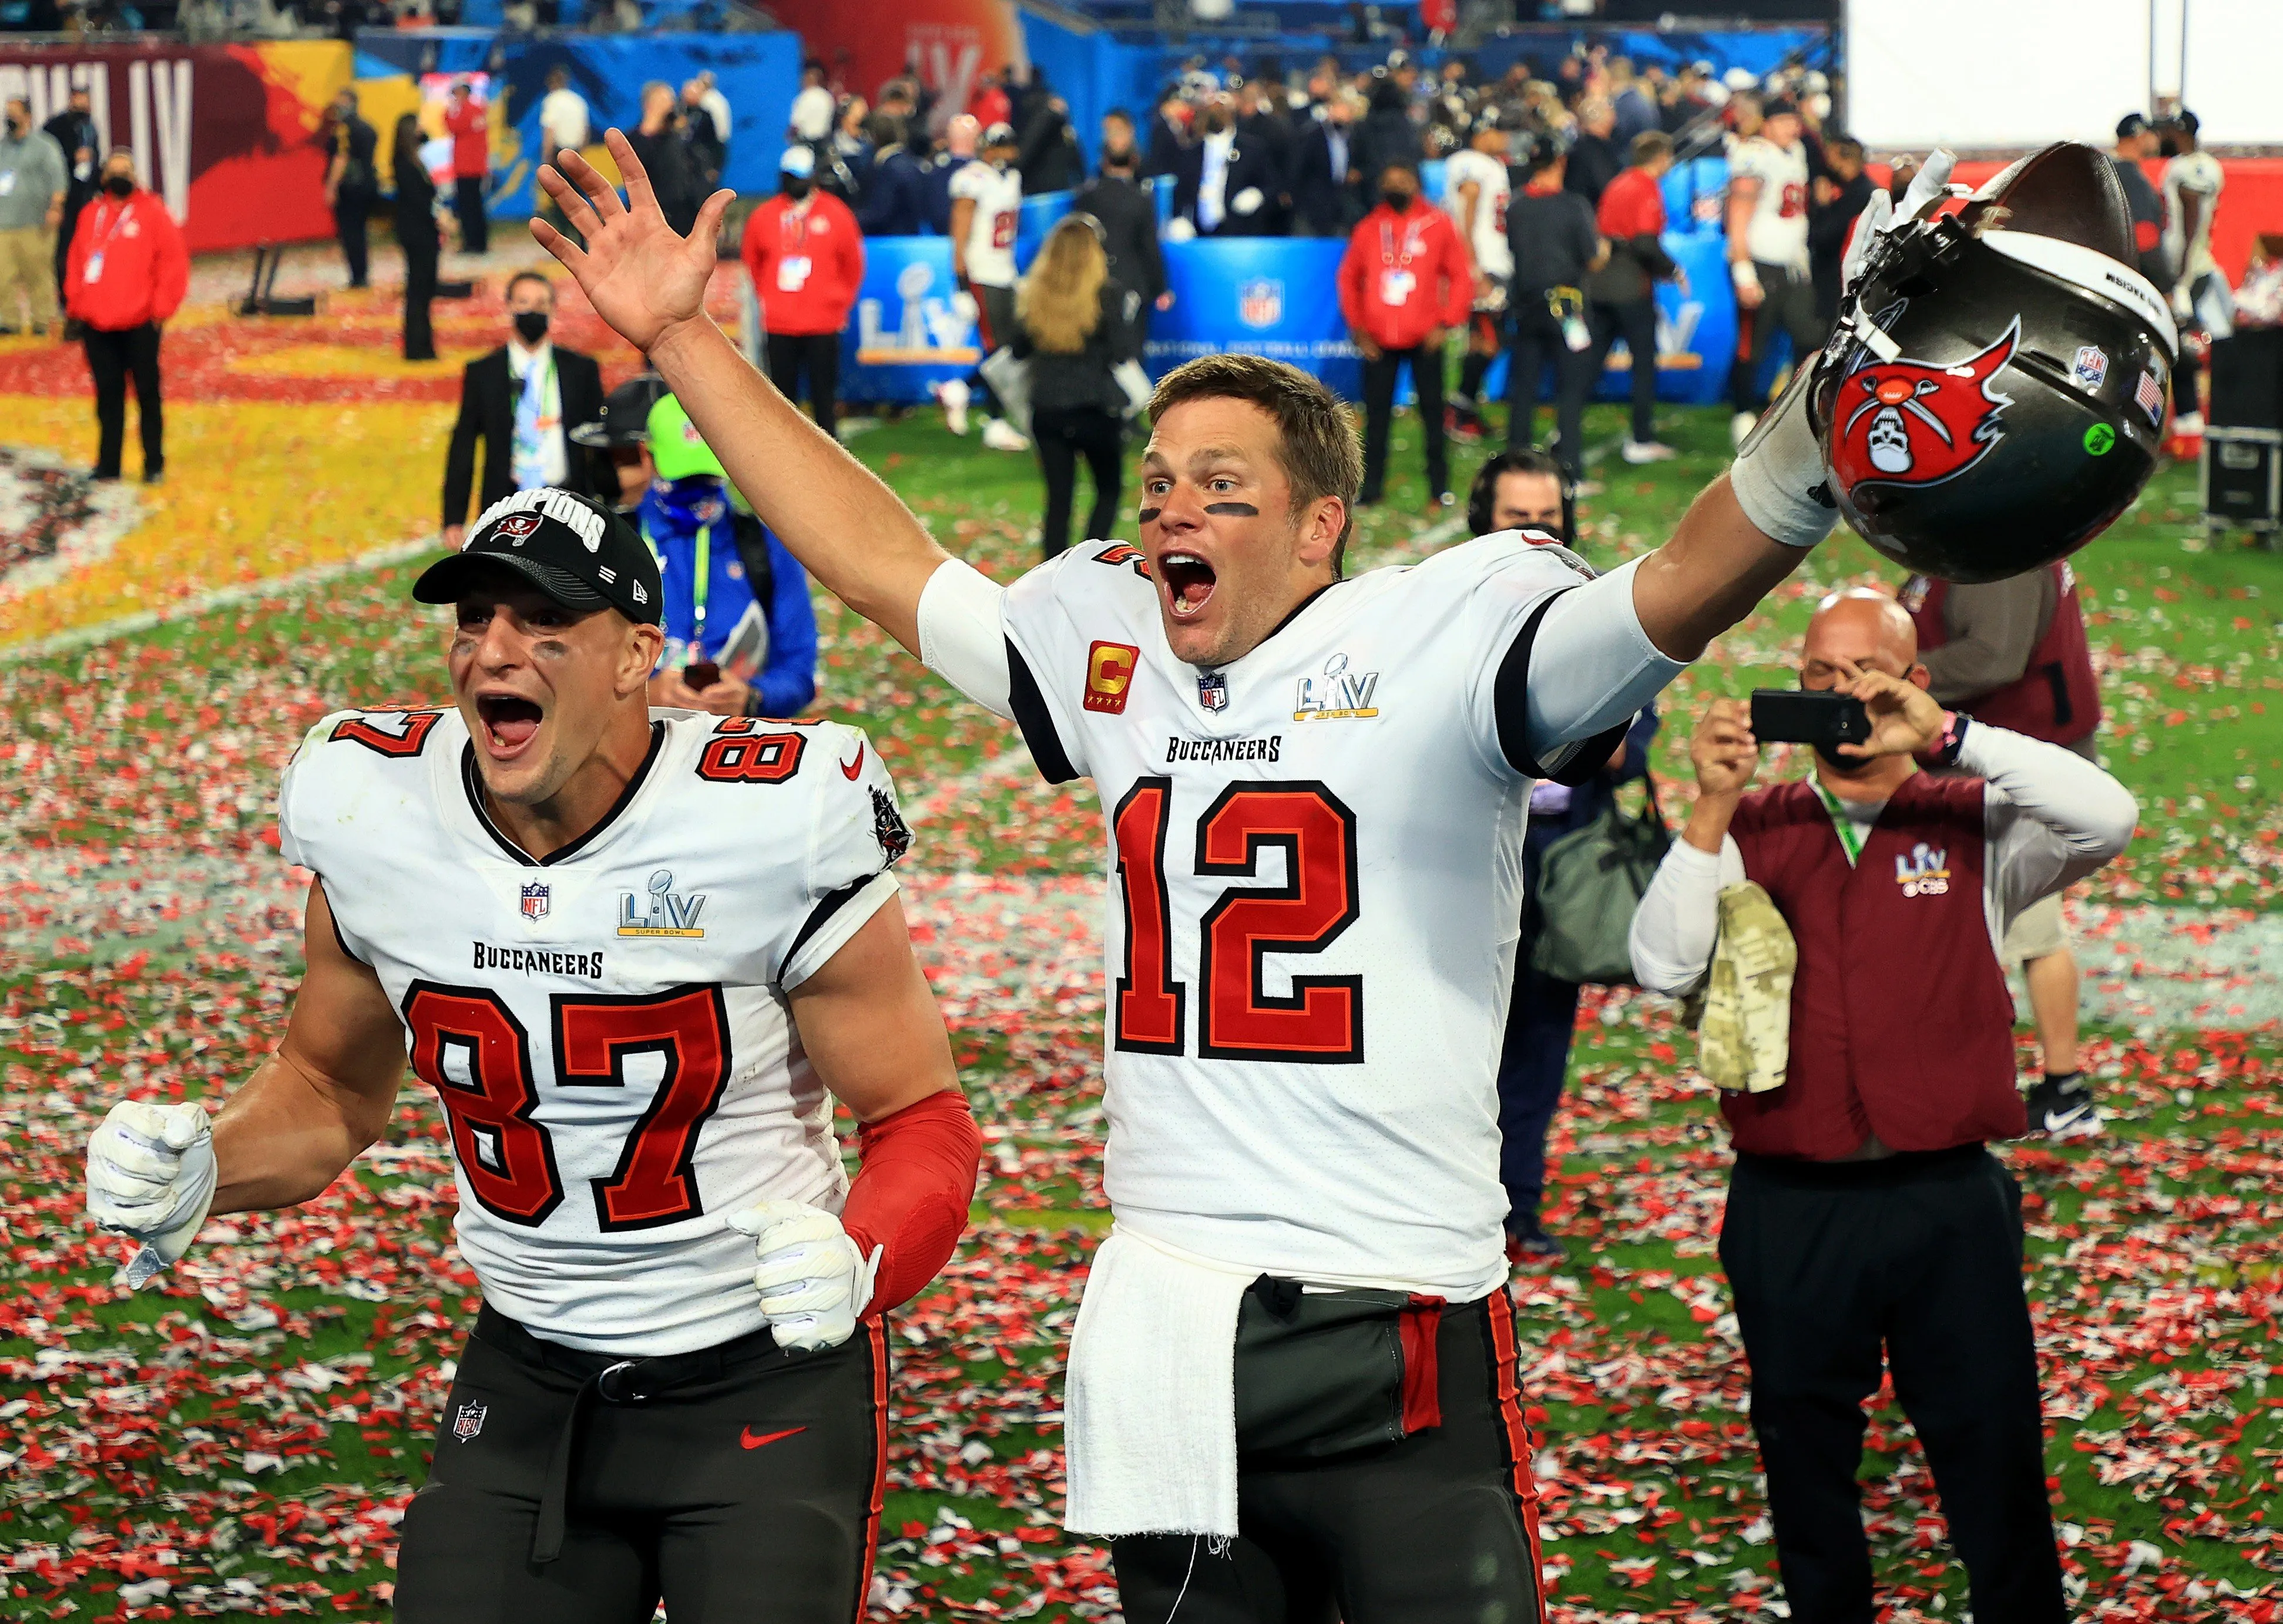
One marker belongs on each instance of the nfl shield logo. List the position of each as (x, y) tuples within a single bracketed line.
[(469, 1421), (1260, 303), (1212, 691), (2091, 368), (535, 907)]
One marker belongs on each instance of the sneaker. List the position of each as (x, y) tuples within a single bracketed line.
[(1528, 1245), (2061, 1108), (954, 394), (1000, 435), (1740, 425), (1460, 428), (1638, 451), (2189, 422)]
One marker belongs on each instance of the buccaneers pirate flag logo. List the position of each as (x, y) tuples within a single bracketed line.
[(1907, 422)]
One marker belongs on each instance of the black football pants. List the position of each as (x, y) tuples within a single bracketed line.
[(1536, 341), (739, 1483), (1787, 305), (1922, 1253), (1440, 1527)]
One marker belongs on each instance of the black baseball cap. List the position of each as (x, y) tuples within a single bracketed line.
[(626, 414), (2132, 124), (571, 547)]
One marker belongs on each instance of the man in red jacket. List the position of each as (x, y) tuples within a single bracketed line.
[(469, 122), (1403, 285), (126, 273), (806, 255)]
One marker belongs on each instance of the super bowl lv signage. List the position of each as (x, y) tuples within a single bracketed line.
[(949, 44), (228, 135)]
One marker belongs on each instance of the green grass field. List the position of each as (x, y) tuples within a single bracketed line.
[(239, 1441)]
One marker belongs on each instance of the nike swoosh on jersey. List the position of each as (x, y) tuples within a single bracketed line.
[(750, 1441), (849, 769)]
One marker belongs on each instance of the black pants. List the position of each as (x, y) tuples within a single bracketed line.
[(1537, 341), (420, 248), (352, 214), (1534, 1062), (738, 1483), (1635, 322), (1922, 1253), (114, 357), (1787, 305), (1062, 435), (818, 354), (468, 203), (1441, 1527), (1379, 411), (74, 200)]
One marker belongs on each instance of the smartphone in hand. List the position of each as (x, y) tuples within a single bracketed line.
[(1809, 716)]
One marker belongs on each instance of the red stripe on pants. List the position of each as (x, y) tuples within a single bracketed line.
[(875, 1331), (1420, 1323), (1507, 1384)]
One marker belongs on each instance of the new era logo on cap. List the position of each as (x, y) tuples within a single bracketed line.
[(568, 546)]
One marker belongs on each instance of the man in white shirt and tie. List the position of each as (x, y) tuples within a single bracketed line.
[(1226, 183), (521, 402)]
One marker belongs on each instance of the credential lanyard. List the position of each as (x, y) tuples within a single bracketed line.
[(1850, 832), (699, 586)]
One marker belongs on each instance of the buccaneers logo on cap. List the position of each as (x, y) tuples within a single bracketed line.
[(1910, 422)]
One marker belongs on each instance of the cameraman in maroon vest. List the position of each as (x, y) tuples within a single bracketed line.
[(2013, 654), (1865, 1213)]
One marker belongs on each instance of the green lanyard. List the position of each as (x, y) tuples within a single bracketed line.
[(1850, 832), (699, 586)]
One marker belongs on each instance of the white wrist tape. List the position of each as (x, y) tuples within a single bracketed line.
[(1779, 479), (1743, 273)]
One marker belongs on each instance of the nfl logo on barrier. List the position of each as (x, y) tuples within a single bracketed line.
[(1260, 303), (469, 1421), (535, 907)]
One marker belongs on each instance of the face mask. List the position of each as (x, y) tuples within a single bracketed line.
[(531, 325), (119, 186), (795, 187), (1848, 764), (1118, 154), (1216, 123), (16, 129), (1397, 198)]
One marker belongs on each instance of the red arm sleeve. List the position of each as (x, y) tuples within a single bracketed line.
[(912, 1193), (1459, 281), (172, 277)]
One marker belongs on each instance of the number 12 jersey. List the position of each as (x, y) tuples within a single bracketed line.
[(1315, 890)]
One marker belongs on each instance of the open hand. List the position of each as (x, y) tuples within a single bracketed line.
[(640, 275), (1723, 750)]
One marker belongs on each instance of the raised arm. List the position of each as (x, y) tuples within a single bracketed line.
[(848, 529)]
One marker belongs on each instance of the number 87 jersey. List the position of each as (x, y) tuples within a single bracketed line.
[(607, 1029), (1315, 889)]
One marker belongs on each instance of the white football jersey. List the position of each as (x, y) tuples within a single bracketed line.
[(608, 1029), (998, 200), (1314, 876), (2197, 172), (1492, 253), (1777, 232)]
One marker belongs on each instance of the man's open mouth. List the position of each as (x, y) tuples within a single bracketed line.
[(1188, 582), (508, 721)]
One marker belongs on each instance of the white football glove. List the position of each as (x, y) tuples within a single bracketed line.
[(1881, 214), (814, 1283), (150, 1172), (963, 306)]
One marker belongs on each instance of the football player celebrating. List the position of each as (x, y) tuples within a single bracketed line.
[(632, 953), (1294, 1381)]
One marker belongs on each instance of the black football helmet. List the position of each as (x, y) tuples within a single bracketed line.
[(1993, 393)]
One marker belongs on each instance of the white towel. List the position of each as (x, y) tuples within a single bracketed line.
[(1150, 1398)]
